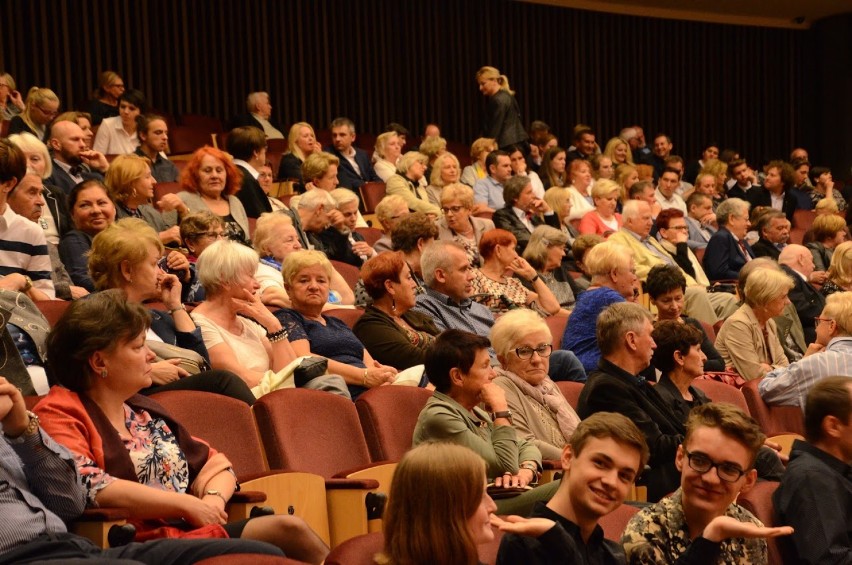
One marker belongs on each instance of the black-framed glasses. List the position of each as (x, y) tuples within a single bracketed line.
[(453, 209), (817, 320), (212, 235), (526, 352), (728, 472)]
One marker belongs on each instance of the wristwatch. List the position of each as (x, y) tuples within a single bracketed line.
[(530, 466), (31, 429), (28, 284), (502, 414), (216, 493)]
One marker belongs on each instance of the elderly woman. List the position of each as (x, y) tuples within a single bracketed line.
[(445, 171), (319, 170), (11, 101), (340, 241), (553, 171), (540, 414), (545, 253), (495, 284), (603, 220), (41, 107), (748, 340), (613, 279), (265, 179), (301, 142), (501, 120), (829, 231), (240, 333), (839, 274), (618, 151), (306, 277), (459, 366), (210, 181), (131, 187), (406, 183), (680, 360), (389, 211), (274, 239), (92, 211), (128, 256), (519, 168), (392, 332), (666, 286), (129, 452), (388, 150), (117, 135), (433, 146), (104, 102), (823, 187), (479, 151), (580, 189), (459, 224)]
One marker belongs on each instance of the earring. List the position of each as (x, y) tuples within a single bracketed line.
[(103, 373), (393, 305)]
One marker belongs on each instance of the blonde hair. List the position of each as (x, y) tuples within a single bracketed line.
[(36, 97), (458, 191), (382, 142), (612, 145), (123, 172), (28, 143), (387, 205), (604, 187), (605, 257), (299, 260), (432, 146), (765, 285), (343, 196), (409, 159), (840, 271), (556, 196), (838, 307), (435, 178), (543, 238), (222, 263), (827, 226), (827, 206), (128, 239), (492, 73), (264, 229), (293, 135), (10, 82), (317, 164), (481, 144), (513, 326)]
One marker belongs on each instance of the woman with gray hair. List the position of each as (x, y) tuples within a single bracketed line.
[(458, 223), (540, 414), (240, 333), (544, 253), (748, 340), (407, 183)]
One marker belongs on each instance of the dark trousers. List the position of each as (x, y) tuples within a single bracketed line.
[(68, 548), (217, 381)]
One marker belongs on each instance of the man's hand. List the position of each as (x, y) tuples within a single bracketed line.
[(13, 411), (533, 527), (725, 527)]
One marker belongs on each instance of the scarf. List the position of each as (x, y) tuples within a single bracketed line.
[(547, 394)]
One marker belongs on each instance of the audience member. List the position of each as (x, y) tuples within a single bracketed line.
[(412, 236), (406, 183), (355, 168), (559, 201), (104, 103), (602, 167), (445, 171), (580, 189), (777, 190), (259, 112), (92, 211), (11, 101), (554, 168), (743, 179), (301, 142), (666, 194), (773, 227), (82, 119), (153, 133), (311, 216), (545, 253), (522, 211), (501, 118), (711, 151), (823, 188), (578, 249), (829, 231), (797, 262), (839, 275), (247, 145), (265, 180), (603, 220), (117, 135), (488, 191), (618, 150), (72, 162), (728, 251), (679, 359), (42, 105), (815, 497), (388, 151), (458, 222), (584, 144), (662, 149), (519, 168)]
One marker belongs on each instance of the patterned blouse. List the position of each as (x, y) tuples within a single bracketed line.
[(838, 197), (154, 451), (490, 293)]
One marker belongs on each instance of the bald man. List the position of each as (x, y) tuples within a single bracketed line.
[(797, 261), (72, 162)]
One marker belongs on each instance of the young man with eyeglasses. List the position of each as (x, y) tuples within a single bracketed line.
[(700, 523)]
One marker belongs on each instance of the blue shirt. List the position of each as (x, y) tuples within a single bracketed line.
[(490, 192), (466, 315), (580, 333)]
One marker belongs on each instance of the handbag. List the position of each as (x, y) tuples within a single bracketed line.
[(298, 373), (190, 361)]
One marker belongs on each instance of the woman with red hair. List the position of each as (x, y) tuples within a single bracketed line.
[(210, 182), (496, 283)]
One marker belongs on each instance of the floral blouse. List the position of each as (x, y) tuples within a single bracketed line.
[(490, 293), (154, 451)]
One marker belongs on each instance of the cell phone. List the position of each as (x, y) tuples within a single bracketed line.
[(163, 264)]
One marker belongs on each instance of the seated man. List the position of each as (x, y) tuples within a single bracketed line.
[(489, 191), (523, 212), (815, 495), (600, 464), (153, 132), (459, 366), (41, 489), (700, 523), (773, 227), (829, 355), (728, 251), (355, 167), (666, 194), (312, 214), (72, 162), (700, 220), (248, 147), (797, 261), (448, 276), (259, 111)]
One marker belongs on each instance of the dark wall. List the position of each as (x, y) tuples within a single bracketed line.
[(414, 61)]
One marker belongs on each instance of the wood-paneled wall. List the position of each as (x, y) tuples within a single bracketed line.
[(413, 61)]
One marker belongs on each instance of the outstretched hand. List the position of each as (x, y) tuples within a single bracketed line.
[(532, 527), (725, 527)]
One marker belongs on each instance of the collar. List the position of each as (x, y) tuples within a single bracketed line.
[(635, 235), (519, 213), (244, 164), (446, 300), (348, 154), (801, 447), (493, 181), (838, 343), (141, 153), (662, 197), (611, 368)]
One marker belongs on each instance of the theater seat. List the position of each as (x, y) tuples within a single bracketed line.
[(615, 522), (774, 420), (388, 415), (758, 501), (721, 392), (350, 273), (371, 194), (571, 391)]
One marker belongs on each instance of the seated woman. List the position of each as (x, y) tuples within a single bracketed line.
[(559, 200), (603, 220), (666, 286), (626, 176), (459, 366), (445, 171), (392, 332), (407, 183), (389, 211), (458, 223), (823, 188), (602, 168), (495, 284), (829, 231), (582, 201), (92, 211), (104, 103), (131, 187), (452, 478), (264, 179), (388, 149), (209, 182), (479, 151), (240, 333), (748, 340), (274, 239), (618, 151), (11, 101), (117, 135), (301, 142), (306, 277), (519, 168), (540, 414), (128, 450), (579, 248), (554, 170), (545, 253), (42, 105), (128, 256), (839, 275)]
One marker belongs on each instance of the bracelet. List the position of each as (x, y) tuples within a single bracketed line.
[(179, 308), (364, 384), (530, 466), (535, 278), (275, 337)]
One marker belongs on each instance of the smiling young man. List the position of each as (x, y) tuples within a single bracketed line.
[(700, 523), (600, 465)]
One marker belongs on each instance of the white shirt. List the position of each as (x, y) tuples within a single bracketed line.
[(111, 138), (674, 202), (271, 131), (252, 171)]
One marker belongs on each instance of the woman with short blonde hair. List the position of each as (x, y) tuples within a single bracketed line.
[(545, 253), (603, 220), (839, 275), (42, 105), (301, 142), (479, 150), (408, 182)]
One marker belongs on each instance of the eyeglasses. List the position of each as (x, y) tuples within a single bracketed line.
[(544, 350), (817, 320), (453, 209), (728, 472), (679, 228), (47, 112), (212, 235)]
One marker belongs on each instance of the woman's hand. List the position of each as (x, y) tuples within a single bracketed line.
[(519, 266), (379, 375), (494, 398), (533, 527), (199, 512), (170, 291), (171, 202), (250, 305), (177, 261), (167, 371)]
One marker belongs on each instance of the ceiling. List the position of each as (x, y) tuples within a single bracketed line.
[(794, 14)]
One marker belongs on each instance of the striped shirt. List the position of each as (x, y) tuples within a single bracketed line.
[(23, 249), (789, 385)]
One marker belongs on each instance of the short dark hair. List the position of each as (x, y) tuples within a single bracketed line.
[(513, 188), (101, 322), (828, 397), (674, 159), (452, 349), (817, 172), (136, 98), (664, 218), (671, 336), (731, 421), (602, 425), (736, 163), (662, 279), (343, 121), (399, 129), (13, 162), (638, 188), (695, 199), (143, 122), (243, 141), (670, 170), (491, 159), (412, 229), (581, 131), (80, 187)]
